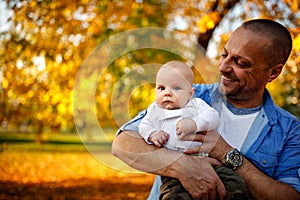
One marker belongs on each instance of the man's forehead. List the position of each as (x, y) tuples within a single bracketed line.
[(246, 37), (245, 43)]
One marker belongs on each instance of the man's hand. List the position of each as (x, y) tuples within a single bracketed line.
[(212, 143), (158, 138), (200, 179)]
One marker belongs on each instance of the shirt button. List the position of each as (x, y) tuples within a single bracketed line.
[(264, 162)]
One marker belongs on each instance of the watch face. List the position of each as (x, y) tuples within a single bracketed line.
[(234, 159)]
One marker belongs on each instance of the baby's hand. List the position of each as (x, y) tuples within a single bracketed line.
[(185, 127), (158, 138)]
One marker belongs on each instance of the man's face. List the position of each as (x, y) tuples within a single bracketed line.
[(243, 68), (173, 90)]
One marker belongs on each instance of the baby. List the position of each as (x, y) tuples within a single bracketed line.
[(175, 111)]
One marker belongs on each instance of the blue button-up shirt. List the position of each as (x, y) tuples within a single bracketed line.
[(272, 143)]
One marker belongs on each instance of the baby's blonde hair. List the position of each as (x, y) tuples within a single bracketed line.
[(182, 68)]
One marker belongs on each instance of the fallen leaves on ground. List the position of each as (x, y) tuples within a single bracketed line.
[(50, 175)]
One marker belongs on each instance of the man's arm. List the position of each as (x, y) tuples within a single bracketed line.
[(196, 174), (259, 185)]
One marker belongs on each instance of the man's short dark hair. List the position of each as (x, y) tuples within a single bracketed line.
[(279, 49)]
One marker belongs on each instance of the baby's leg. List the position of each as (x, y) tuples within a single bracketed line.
[(172, 189), (234, 184)]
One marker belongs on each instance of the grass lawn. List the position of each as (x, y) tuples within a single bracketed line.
[(62, 168)]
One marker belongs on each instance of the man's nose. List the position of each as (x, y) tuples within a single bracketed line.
[(225, 65)]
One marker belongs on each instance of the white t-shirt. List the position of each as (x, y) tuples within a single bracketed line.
[(234, 128)]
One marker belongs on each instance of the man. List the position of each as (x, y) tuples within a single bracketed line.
[(256, 138)]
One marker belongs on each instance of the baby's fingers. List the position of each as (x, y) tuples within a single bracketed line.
[(156, 143)]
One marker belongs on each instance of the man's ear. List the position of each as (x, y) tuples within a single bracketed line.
[(275, 72)]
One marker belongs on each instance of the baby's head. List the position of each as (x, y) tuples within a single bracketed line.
[(174, 85)]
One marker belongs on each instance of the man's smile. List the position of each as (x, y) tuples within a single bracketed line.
[(227, 79)]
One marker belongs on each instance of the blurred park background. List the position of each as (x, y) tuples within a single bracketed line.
[(42, 46)]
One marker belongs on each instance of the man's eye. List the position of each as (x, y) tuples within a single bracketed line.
[(242, 65), (161, 88), (224, 55)]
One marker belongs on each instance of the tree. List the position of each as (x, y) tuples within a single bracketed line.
[(47, 41), (44, 47)]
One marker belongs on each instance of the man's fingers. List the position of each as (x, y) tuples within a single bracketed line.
[(199, 137), (213, 161), (221, 190), (194, 150)]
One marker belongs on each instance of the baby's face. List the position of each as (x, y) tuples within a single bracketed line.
[(173, 90)]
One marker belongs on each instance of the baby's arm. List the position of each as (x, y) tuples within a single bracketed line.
[(185, 126), (149, 131), (206, 119)]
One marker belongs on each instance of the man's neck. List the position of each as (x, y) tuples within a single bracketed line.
[(238, 103)]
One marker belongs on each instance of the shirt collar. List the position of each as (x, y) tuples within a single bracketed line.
[(241, 111)]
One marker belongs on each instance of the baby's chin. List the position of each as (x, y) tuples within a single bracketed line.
[(170, 106)]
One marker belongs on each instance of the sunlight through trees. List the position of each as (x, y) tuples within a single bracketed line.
[(43, 43)]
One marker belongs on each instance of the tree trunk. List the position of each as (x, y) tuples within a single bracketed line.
[(39, 139), (203, 38)]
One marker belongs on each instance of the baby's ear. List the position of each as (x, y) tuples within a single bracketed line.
[(192, 92)]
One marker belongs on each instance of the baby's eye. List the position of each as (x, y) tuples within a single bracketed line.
[(161, 88), (176, 88)]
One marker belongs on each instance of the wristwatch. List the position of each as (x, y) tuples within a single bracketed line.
[(233, 159)]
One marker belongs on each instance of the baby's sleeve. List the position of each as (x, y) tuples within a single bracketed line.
[(207, 118), (146, 127)]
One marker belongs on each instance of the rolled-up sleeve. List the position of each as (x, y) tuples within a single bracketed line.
[(133, 124), (278, 153), (288, 168)]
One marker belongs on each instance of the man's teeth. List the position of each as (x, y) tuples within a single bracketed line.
[(227, 79)]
